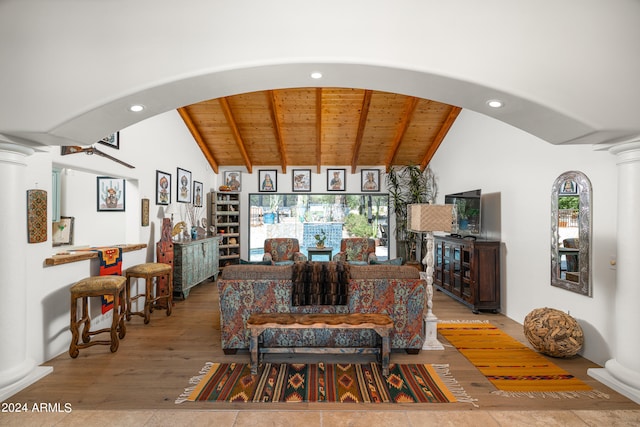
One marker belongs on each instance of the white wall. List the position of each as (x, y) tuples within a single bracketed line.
[(159, 143), (480, 152)]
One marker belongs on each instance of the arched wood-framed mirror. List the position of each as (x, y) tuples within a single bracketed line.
[(571, 233)]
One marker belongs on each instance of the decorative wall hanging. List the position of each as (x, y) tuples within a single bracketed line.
[(163, 188), (268, 180), (74, 149), (111, 194), (144, 209), (370, 180), (198, 190), (37, 225), (301, 179), (62, 231), (233, 180), (184, 186), (336, 179)]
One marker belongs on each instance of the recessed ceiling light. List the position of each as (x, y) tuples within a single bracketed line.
[(136, 108), (316, 75), (495, 103)]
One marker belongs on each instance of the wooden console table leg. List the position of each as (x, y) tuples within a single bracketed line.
[(385, 351), (253, 350)]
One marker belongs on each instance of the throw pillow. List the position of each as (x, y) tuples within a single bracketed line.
[(284, 262), (357, 262)]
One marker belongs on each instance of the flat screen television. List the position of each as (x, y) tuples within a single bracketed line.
[(468, 211)]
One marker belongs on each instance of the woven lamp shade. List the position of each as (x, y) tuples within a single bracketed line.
[(423, 217)]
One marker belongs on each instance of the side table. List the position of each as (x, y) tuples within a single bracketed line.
[(315, 251)]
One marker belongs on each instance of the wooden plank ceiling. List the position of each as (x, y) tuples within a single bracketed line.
[(318, 127)]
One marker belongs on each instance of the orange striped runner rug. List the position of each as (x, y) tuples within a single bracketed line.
[(513, 368)]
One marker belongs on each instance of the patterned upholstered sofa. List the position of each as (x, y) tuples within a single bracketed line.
[(396, 291)]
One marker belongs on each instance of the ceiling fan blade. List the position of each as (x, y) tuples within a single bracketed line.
[(100, 153)]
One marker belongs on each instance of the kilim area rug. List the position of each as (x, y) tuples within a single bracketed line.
[(513, 368), (325, 382)]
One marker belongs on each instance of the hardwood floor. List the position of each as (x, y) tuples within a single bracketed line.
[(154, 363)]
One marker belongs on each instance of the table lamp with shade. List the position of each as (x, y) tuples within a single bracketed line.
[(427, 218)]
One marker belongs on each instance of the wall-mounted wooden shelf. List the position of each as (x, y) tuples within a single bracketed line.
[(88, 253)]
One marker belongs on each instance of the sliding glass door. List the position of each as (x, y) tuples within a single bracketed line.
[(302, 216)]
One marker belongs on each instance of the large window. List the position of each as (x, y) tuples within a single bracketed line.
[(303, 216)]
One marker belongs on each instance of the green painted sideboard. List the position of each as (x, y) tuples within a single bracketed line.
[(194, 261)]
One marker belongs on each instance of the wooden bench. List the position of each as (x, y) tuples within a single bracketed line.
[(258, 323)]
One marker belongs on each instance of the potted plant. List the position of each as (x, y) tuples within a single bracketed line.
[(408, 185), (320, 239)]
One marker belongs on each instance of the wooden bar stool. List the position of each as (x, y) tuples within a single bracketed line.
[(97, 286), (147, 272)]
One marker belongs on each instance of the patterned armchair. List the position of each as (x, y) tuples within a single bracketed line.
[(359, 249), (282, 249)]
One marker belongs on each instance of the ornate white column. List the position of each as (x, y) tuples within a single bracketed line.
[(622, 373), (430, 320), (17, 371)]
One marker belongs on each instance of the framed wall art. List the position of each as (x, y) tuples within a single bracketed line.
[(336, 179), (112, 140), (232, 179), (198, 190), (267, 180), (37, 224), (163, 188), (183, 186), (144, 210), (370, 180), (111, 194), (301, 180), (569, 187), (62, 231)]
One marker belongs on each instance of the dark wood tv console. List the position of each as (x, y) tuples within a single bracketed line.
[(468, 270)]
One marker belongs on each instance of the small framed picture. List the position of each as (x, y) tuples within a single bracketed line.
[(370, 180), (111, 194), (183, 186), (267, 180), (62, 231), (112, 140), (232, 179), (569, 187), (163, 188), (198, 189), (336, 179), (301, 180), (144, 211)]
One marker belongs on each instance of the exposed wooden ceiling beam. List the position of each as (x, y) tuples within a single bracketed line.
[(301, 122), (444, 129), (318, 129), (275, 119), (226, 108), (364, 112), (405, 120), (186, 117)]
